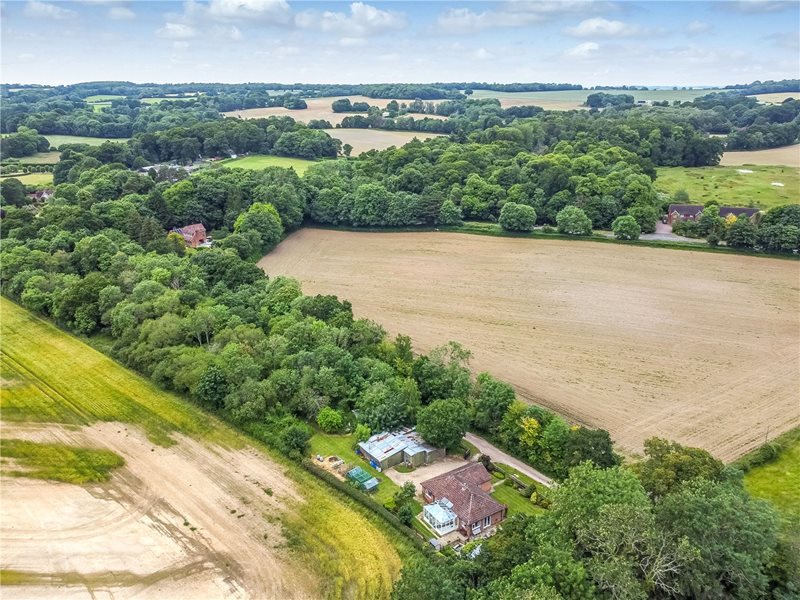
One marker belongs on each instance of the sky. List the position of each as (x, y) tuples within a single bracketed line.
[(234, 41)]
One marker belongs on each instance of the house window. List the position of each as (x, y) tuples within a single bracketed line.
[(487, 521)]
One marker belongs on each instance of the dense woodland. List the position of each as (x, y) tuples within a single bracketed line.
[(209, 324)]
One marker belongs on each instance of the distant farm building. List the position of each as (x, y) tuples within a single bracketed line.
[(385, 450), (692, 212), (460, 500), (194, 235)]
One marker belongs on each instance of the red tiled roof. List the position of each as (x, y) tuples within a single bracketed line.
[(190, 229), (462, 487)]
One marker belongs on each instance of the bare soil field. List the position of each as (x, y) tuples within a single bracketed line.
[(185, 521), (701, 348), (776, 97), (318, 108), (363, 140), (785, 155)]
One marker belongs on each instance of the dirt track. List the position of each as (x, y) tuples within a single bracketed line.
[(180, 522), (698, 347)]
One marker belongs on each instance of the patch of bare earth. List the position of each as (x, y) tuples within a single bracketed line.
[(189, 521), (697, 347), (788, 156)]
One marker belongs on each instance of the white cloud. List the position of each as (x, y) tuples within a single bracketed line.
[(362, 20), (277, 11), (482, 54), (697, 27), (352, 42), (514, 13), (757, 6), (121, 13), (180, 45), (176, 31), (584, 50), (231, 33), (600, 27), (45, 10)]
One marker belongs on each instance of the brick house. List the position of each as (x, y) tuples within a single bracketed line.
[(462, 495), (692, 212), (194, 235)]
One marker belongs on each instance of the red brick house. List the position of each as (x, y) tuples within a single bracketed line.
[(193, 235), (692, 212), (465, 492)]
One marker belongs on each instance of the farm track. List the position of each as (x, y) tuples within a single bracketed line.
[(700, 348)]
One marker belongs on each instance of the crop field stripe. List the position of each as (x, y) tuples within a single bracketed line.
[(91, 385), (42, 386)]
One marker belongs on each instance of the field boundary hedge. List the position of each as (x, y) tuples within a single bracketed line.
[(768, 452), (537, 235)]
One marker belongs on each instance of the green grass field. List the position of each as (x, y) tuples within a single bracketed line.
[(58, 140), (57, 462), (779, 482), (47, 375), (41, 158), (258, 162), (102, 98), (730, 187), (37, 179), (81, 386)]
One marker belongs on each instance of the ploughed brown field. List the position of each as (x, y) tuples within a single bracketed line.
[(784, 155), (697, 347), (320, 108)]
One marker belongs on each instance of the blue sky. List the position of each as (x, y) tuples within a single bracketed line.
[(575, 41)]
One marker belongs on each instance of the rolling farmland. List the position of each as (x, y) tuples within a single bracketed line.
[(318, 108), (696, 347), (196, 510), (363, 140), (788, 156), (748, 185), (574, 99)]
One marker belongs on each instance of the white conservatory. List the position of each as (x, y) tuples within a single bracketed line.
[(440, 516)]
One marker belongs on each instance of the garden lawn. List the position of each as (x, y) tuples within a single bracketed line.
[(262, 161), (730, 187), (517, 504)]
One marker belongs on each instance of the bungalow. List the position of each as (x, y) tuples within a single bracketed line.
[(460, 500), (385, 450), (40, 195), (194, 235), (692, 212)]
